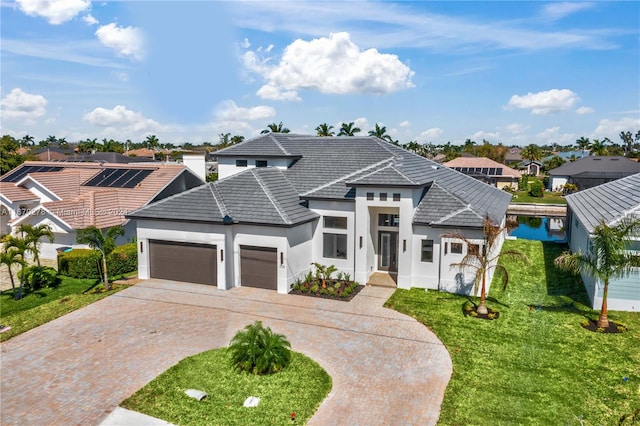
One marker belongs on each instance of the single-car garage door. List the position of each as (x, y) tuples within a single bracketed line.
[(259, 267), (195, 263)]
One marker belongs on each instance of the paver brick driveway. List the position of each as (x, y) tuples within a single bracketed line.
[(387, 369)]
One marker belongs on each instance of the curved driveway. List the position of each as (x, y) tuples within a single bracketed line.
[(386, 367)]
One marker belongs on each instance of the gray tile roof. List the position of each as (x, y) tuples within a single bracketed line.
[(608, 202), (329, 167), (613, 166)]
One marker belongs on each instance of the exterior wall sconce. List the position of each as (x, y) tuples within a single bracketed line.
[(404, 245), (360, 242), (221, 255), (281, 259), (141, 247)]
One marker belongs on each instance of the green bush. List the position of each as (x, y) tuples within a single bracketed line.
[(537, 189), (258, 350), (523, 183), (123, 259), (37, 277), (79, 263)]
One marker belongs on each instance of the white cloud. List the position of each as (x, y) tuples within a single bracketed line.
[(493, 137), (515, 128), (542, 103), (120, 117), (612, 128), (128, 41), (431, 135), (553, 135), (559, 10), (329, 65), (89, 20), (121, 75), (19, 105), (229, 111), (405, 123), (55, 11), (245, 43), (584, 110)]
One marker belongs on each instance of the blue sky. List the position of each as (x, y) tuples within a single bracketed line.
[(510, 72)]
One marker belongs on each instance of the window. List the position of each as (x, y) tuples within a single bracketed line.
[(369, 196), (241, 163), (383, 196), (396, 196), (261, 163), (474, 249), (335, 246), (335, 222), (456, 248), (388, 220), (427, 251)]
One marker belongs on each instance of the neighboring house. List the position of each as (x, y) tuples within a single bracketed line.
[(108, 157), (591, 171), (486, 170), (51, 155), (69, 196), (513, 157), (284, 201), (531, 168), (610, 203)]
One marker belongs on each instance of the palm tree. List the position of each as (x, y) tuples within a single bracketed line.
[(531, 152), (27, 140), (258, 350), (607, 259), (15, 248), (275, 128), (583, 144), (627, 139), (12, 255), (599, 147), (381, 133), (104, 242), (482, 259), (152, 142), (32, 236), (236, 139), (348, 129), (324, 130)]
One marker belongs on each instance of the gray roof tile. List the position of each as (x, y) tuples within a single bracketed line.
[(610, 165)]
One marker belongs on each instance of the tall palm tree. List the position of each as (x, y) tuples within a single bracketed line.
[(531, 152), (27, 140), (482, 259), (348, 129), (32, 236), (583, 144), (324, 130), (236, 139), (152, 142), (608, 258), (381, 133), (275, 128), (9, 256), (599, 147), (104, 242)]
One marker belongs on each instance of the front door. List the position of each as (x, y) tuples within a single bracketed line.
[(388, 251)]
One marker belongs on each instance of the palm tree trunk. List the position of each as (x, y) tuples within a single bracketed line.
[(482, 308), (107, 286), (13, 284), (603, 321)]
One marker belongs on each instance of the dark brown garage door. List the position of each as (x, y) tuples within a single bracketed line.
[(195, 263), (259, 267)]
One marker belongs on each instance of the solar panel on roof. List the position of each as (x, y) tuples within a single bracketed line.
[(499, 171), (485, 170), (118, 178), (25, 170), (137, 178), (492, 170), (102, 175), (124, 177), (112, 177)]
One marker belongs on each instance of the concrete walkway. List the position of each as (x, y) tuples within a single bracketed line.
[(386, 367)]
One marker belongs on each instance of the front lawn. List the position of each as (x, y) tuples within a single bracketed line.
[(46, 304), (299, 389), (547, 198), (535, 364)]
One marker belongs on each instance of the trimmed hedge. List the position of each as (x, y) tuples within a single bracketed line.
[(86, 263)]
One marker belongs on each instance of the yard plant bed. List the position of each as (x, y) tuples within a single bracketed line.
[(614, 327), (471, 310), (343, 296), (536, 365), (299, 388), (320, 283)]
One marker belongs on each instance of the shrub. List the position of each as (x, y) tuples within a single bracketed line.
[(258, 350), (523, 183), (79, 263), (123, 259), (37, 277), (537, 190)]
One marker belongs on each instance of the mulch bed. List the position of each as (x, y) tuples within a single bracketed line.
[(326, 296), (490, 315), (614, 327)]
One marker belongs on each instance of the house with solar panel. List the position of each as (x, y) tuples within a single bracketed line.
[(283, 201), (69, 196), (487, 170), (608, 203)]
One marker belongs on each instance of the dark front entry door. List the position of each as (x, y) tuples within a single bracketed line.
[(388, 251)]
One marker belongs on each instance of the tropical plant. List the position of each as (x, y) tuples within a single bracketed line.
[(608, 258), (37, 277), (536, 189), (482, 258), (381, 133), (531, 152), (324, 130), (32, 236), (258, 350), (627, 140), (583, 144), (10, 256), (348, 129), (152, 142), (103, 242), (323, 272), (275, 128), (600, 147)]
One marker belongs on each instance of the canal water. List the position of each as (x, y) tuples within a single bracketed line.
[(539, 228)]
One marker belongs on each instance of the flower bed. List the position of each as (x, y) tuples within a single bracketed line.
[(321, 284)]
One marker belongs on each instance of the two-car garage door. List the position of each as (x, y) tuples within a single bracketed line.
[(195, 263)]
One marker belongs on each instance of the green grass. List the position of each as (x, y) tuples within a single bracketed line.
[(547, 198), (44, 305), (535, 364), (299, 388)]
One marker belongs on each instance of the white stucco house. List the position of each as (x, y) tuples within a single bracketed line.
[(284, 201), (609, 202)]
